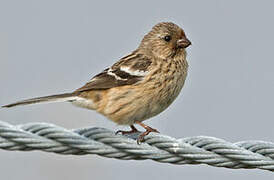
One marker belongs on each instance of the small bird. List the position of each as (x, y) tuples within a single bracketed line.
[(139, 85)]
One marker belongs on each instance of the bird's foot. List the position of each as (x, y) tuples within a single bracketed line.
[(133, 130), (148, 130)]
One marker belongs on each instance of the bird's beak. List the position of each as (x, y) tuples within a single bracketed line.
[(183, 43)]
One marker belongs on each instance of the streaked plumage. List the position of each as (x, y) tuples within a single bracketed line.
[(138, 86)]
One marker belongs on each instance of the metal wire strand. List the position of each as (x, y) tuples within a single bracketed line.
[(161, 148)]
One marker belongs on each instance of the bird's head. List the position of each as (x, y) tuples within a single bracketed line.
[(164, 40)]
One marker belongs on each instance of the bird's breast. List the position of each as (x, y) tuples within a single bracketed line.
[(171, 86)]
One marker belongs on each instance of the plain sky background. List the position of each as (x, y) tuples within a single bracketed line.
[(55, 46)]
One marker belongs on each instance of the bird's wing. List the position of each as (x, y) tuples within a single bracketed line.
[(127, 71)]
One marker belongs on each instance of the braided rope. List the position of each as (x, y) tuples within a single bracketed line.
[(191, 150)]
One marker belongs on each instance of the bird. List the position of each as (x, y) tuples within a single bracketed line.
[(138, 86)]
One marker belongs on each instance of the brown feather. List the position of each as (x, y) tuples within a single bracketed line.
[(134, 61)]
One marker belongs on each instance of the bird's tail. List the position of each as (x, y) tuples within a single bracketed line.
[(53, 98)]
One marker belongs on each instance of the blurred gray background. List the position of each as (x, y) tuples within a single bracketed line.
[(55, 46)]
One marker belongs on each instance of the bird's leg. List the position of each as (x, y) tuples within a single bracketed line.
[(148, 130), (133, 130)]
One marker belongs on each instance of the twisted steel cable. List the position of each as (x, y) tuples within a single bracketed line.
[(161, 148)]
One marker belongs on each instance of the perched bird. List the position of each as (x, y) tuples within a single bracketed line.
[(139, 85)]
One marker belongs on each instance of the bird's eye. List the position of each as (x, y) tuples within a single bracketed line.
[(167, 38)]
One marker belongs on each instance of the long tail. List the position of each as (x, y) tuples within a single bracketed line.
[(52, 98)]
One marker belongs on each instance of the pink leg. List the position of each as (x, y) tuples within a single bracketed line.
[(148, 130), (133, 130)]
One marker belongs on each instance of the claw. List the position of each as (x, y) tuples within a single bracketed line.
[(133, 130), (148, 130)]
